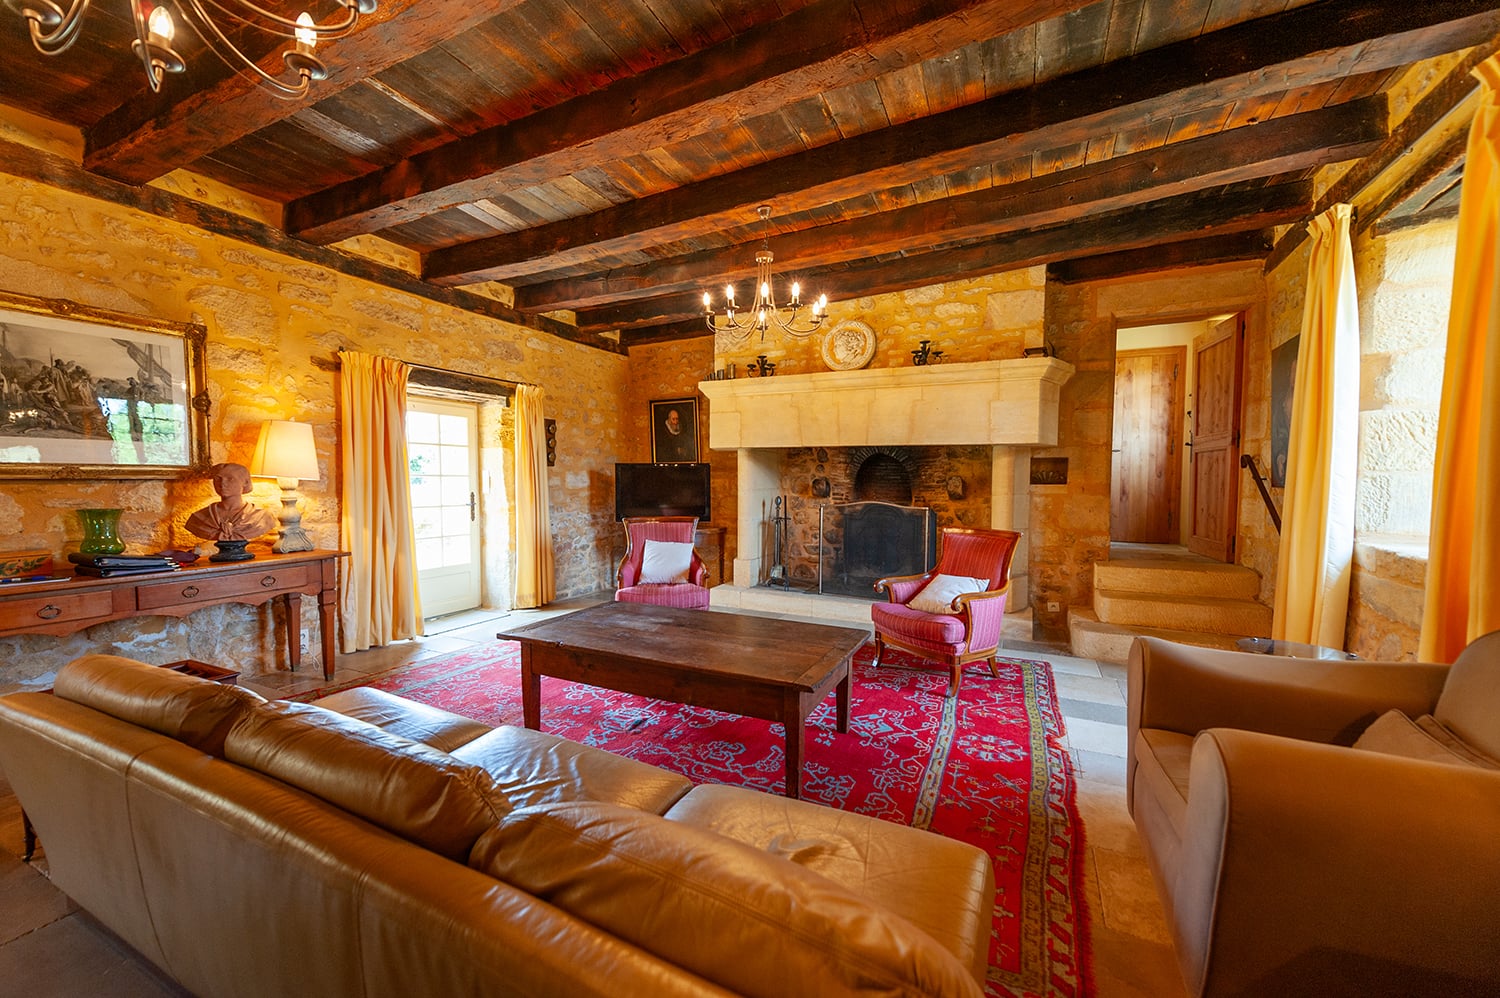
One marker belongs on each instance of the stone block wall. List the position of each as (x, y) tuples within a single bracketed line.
[(273, 325), (667, 371), (984, 318)]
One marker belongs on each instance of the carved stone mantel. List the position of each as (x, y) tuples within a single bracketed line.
[(1010, 402)]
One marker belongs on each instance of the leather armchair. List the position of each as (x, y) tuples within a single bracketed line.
[(1292, 862), (970, 630), (692, 594)]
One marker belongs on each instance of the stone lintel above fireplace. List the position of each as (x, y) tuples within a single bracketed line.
[(1007, 402)]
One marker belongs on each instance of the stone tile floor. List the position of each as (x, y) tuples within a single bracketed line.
[(49, 948)]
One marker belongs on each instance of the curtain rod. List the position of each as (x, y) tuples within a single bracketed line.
[(333, 365)]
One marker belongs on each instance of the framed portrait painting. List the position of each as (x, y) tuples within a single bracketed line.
[(91, 393), (1283, 384), (674, 430)]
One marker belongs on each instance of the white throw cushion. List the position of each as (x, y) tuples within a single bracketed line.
[(938, 595), (666, 562), (1393, 733)]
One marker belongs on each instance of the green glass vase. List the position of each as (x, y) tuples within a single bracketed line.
[(101, 531)]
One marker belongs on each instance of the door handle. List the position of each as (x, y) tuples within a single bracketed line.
[(472, 507)]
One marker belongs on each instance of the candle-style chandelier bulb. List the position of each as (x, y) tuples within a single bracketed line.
[(53, 31)]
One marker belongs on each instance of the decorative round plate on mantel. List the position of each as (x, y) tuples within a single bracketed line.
[(848, 346)]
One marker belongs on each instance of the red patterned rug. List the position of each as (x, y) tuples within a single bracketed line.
[(987, 767)]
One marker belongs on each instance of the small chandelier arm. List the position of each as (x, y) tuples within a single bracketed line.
[(54, 30), (763, 312)]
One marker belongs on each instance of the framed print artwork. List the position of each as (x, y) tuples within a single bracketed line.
[(674, 430), (90, 393)]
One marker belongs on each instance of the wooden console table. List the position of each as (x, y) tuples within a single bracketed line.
[(68, 605)]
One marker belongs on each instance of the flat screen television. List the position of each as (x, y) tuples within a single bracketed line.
[(662, 490)]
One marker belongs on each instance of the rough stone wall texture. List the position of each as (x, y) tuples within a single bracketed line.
[(669, 371), (1405, 280), (1385, 600), (1069, 524), (983, 318), (268, 317)]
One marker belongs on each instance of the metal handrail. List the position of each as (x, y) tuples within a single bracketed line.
[(1248, 461)]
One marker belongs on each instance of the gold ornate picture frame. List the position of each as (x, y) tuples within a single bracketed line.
[(92, 393)]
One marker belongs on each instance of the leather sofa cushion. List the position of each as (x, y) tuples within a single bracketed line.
[(431, 726), (1396, 734), (196, 711), (707, 903), (405, 787), (944, 887), (533, 767)]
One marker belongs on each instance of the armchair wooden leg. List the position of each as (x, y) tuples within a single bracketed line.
[(953, 681), (879, 650), (991, 663)]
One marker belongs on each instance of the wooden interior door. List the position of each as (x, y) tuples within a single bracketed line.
[(1220, 361), (1146, 465)]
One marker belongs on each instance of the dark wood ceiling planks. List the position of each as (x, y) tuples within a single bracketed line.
[(606, 156)]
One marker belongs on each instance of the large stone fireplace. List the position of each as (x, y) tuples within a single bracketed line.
[(959, 435)]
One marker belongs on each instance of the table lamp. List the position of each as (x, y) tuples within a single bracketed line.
[(286, 453)]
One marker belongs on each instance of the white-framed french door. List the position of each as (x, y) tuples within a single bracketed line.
[(442, 445)]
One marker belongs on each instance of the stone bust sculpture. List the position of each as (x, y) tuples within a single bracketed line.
[(231, 518)]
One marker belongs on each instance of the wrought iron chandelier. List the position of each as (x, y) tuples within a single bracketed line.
[(764, 313), (54, 30)]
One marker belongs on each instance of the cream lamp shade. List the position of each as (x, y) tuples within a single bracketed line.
[(286, 452)]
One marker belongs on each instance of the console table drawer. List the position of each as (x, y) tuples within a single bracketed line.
[(55, 608), (179, 592)]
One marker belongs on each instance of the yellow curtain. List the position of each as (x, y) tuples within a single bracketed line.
[(1317, 530), (1463, 562), (378, 602), (535, 585)]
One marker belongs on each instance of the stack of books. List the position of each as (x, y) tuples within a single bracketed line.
[(105, 566)]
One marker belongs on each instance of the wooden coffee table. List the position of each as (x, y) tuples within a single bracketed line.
[(776, 670)]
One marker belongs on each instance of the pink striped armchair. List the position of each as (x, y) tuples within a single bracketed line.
[(689, 595), (969, 629)]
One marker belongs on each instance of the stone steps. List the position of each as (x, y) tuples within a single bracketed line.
[(1093, 638), (1182, 598), (1214, 614), (1170, 577)]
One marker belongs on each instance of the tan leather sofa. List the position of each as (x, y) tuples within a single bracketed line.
[(367, 845), (1307, 839)]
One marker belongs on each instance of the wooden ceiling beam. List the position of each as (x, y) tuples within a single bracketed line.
[(824, 46), (1280, 146), (155, 133), (1198, 216), (1442, 107), (685, 329), (1298, 48), (1236, 247)]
